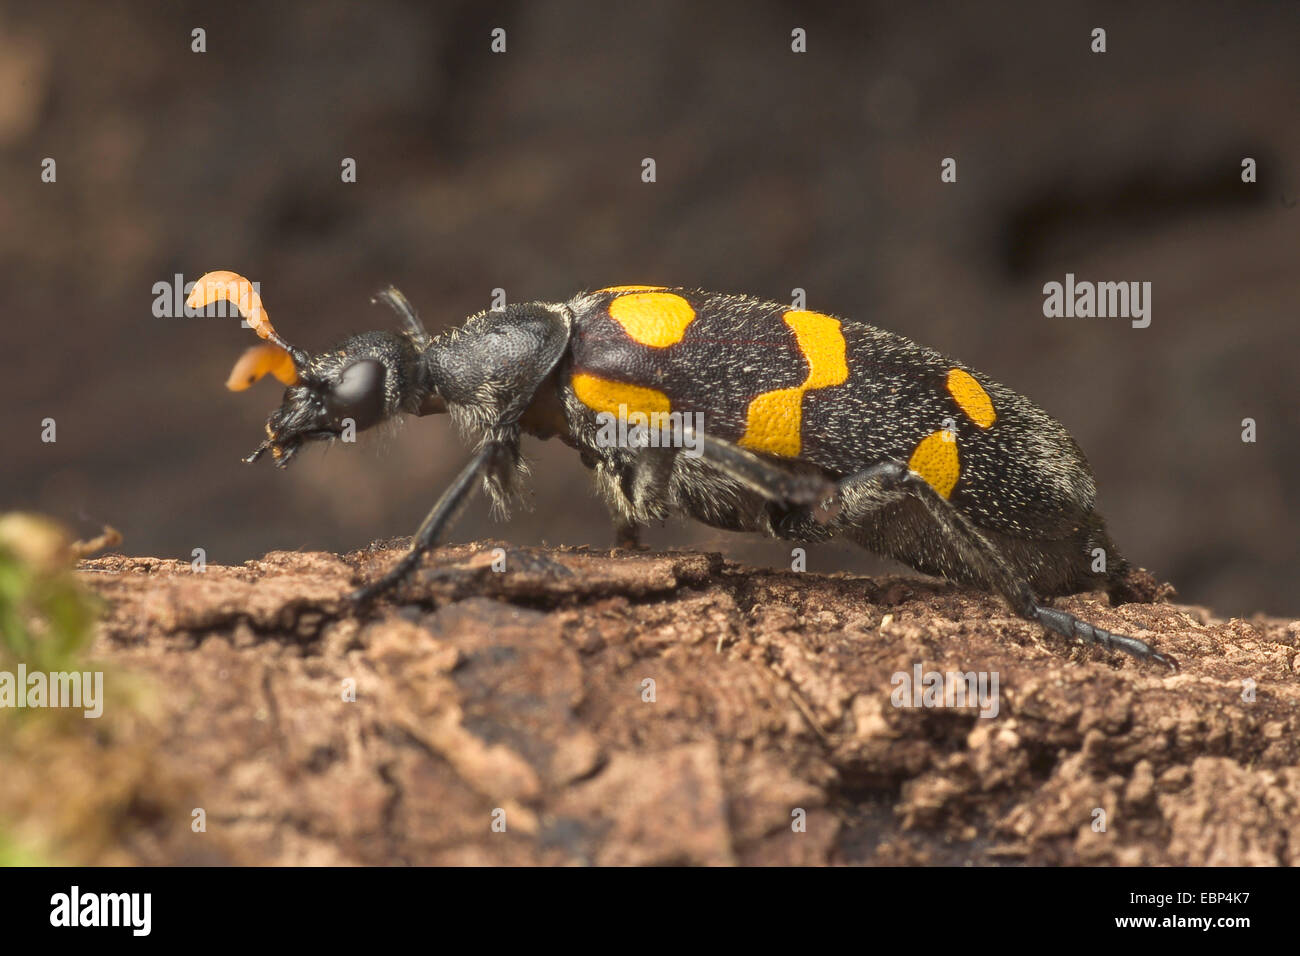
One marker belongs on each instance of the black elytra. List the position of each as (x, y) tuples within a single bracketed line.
[(754, 417)]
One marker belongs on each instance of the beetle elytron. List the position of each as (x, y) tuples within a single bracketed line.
[(813, 427)]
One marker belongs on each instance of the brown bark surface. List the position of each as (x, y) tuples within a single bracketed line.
[(520, 697)]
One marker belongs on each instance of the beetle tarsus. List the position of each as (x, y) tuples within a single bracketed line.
[(1067, 625)]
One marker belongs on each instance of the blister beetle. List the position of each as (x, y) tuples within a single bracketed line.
[(804, 426)]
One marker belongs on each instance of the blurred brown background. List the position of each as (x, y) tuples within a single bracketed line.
[(775, 171)]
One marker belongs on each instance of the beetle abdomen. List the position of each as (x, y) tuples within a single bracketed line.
[(838, 394)]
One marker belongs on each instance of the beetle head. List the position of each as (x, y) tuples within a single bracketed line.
[(360, 383)]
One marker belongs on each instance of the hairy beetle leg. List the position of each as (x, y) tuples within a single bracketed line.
[(780, 485), (438, 520)]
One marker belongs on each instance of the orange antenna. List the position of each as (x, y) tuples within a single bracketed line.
[(234, 288), (260, 360)]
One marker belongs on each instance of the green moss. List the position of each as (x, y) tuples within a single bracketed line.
[(46, 619)]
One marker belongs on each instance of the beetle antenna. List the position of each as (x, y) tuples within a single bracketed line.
[(234, 288), (394, 299)]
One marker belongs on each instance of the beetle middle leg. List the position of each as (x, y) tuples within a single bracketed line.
[(643, 484), (639, 487), (627, 534)]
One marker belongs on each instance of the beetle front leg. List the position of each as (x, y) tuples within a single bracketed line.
[(439, 519)]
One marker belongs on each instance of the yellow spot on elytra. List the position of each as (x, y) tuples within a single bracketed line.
[(264, 359), (603, 395), (657, 319), (935, 460), (971, 398), (776, 417), (631, 288)]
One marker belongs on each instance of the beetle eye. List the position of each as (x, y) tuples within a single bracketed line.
[(359, 394)]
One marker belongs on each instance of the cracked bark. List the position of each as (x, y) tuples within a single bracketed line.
[(521, 693)]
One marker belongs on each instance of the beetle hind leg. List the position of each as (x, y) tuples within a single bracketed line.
[(968, 554), (1067, 625), (784, 487)]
